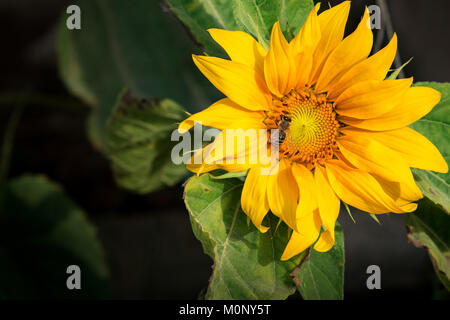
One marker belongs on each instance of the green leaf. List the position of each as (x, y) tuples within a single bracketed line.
[(433, 187), (42, 232), (240, 174), (253, 16), (348, 211), (396, 72), (136, 46), (246, 262), (321, 275), (374, 217), (200, 15), (428, 228), (258, 16), (436, 127), (138, 143)]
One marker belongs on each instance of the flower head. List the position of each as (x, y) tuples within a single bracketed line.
[(342, 128)]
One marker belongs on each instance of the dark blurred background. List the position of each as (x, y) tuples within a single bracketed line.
[(148, 241)]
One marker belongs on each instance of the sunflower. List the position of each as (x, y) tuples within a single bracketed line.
[(343, 127)]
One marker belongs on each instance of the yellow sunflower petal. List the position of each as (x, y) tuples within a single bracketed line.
[(349, 52), (325, 241), (329, 205), (213, 157), (253, 199), (306, 186), (244, 146), (241, 47), (372, 98), (309, 35), (304, 64), (374, 157), (227, 153), (242, 84), (303, 45), (375, 67), (417, 150), (399, 192), (332, 26), (279, 68), (225, 114), (416, 103), (282, 193), (361, 190), (309, 231), (202, 168)]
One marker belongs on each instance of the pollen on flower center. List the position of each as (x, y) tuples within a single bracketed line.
[(308, 126)]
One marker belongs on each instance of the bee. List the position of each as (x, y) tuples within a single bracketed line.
[(283, 125)]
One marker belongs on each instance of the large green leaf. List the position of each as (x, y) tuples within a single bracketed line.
[(253, 16), (246, 262), (200, 15), (321, 275), (128, 45), (138, 143), (258, 16), (42, 232), (436, 127), (433, 187), (428, 228)]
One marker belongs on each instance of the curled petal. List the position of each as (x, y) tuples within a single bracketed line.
[(241, 83), (241, 47), (372, 98), (417, 150), (225, 114), (361, 190), (254, 197), (417, 102), (329, 205)]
